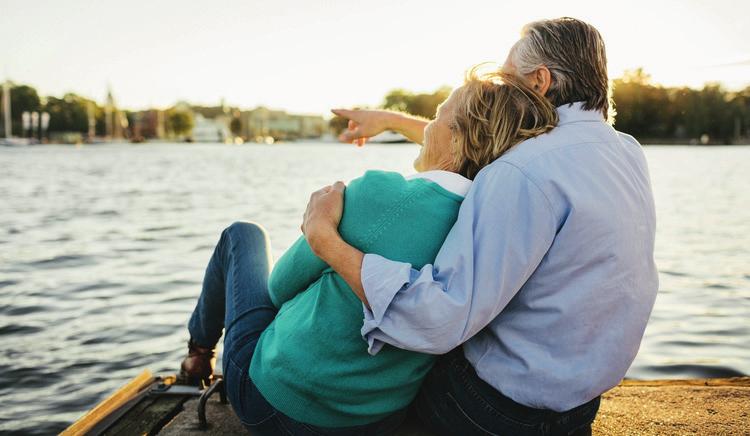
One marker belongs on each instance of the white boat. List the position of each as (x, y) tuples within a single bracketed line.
[(388, 137), (18, 142)]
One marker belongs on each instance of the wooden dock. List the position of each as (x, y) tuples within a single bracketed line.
[(658, 407)]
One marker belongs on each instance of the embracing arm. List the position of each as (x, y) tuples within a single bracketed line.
[(366, 123), (294, 272), (485, 260), (343, 258)]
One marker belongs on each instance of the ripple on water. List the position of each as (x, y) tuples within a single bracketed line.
[(88, 324), (694, 371), (107, 213), (674, 273), (6, 283), (62, 261), (160, 228), (62, 238), (18, 329), (96, 286), (718, 286), (28, 376), (17, 310)]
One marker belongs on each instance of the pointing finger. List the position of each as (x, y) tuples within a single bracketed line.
[(350, 114), (339, 186)]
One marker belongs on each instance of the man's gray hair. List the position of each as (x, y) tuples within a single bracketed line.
[(574, 53)]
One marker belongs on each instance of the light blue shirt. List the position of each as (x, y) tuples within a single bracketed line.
[(548, 276)]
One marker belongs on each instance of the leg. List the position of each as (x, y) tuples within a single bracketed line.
[(234, 286), (454, 400), (234, 298)]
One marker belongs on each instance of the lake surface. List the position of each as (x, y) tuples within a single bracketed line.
[(102, 252)]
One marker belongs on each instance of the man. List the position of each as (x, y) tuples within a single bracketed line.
[(547, 277)]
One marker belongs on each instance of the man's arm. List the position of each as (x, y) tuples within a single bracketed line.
[(320, 226), (485, 260), (366, 123)]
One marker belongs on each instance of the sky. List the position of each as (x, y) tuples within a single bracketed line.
[(309, 56)]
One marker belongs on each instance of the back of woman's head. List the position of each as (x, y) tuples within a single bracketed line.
[(494, 112)]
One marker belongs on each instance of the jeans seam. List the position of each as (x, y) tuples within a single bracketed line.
[(467, 417), (262, 421), (469, 386)]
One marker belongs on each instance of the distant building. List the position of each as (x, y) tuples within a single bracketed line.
[(263, 122), (115, 122), (210, 130), (148, 124), (214, 124)]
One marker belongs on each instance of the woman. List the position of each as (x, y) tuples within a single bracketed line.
[(294, 361)]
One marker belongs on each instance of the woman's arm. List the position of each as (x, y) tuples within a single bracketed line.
[(299, 266), (366, 123), (294, 272)]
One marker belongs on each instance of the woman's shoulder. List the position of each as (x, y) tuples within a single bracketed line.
[(379, 177), (377, 184), (389, 184)]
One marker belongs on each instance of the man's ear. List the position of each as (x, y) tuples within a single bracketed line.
[(541, 80)]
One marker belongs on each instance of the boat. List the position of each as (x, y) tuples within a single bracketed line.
[(147, 404), (18, 142), (388, 137)]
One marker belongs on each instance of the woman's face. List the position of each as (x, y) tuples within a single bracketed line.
[(436, 153)]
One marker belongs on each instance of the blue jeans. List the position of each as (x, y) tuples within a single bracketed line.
[(454, 400), (235, 299)]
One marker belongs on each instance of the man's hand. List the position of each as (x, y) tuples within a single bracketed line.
[(322, 216)]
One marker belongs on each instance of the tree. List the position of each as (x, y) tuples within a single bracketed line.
[(650, 111), (337, 124), (235, 126), (68, 114), (424, 105), (180, 122), (23, 98)]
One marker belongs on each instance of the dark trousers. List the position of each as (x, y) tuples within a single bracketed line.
[(453, 400), (235, 300)]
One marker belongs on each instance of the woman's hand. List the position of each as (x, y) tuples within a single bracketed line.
[(363, 124)]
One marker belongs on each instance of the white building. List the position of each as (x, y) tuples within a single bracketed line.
[(207, 130)]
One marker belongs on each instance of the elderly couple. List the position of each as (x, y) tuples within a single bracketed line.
[(499, 290)]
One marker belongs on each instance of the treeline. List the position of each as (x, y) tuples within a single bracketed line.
[(70, 114), (653, 113), (650, 112)]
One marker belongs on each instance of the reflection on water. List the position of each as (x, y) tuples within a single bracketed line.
[(102, 251)]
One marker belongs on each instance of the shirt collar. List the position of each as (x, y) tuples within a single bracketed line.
[(573, 113), (449, 181)]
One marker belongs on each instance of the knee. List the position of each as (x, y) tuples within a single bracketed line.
[(247, 230)]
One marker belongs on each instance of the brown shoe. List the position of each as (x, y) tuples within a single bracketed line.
[(198, 367)]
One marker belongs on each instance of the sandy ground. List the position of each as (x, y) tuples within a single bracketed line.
[(676, 407), (660, 407)]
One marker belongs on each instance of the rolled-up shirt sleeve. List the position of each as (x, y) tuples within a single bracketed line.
[(505, 226)]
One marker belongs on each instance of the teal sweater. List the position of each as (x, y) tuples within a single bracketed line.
[(311, 363)]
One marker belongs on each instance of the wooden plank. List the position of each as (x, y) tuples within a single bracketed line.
[(148, 416), (110, 404)]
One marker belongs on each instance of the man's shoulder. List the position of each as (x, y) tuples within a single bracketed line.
[(535, 154)]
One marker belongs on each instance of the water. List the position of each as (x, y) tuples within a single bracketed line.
[(102, 251)]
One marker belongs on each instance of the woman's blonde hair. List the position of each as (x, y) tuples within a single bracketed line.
[(494, 112)]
